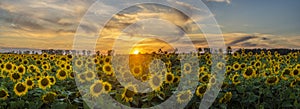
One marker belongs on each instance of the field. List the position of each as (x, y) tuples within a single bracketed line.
[(252, 80)]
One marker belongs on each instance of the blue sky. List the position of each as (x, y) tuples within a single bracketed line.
[(53, 24), (262, 16)]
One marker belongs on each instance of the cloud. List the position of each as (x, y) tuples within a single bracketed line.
[(227, 1)]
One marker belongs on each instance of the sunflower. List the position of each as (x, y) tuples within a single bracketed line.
[(107, 59), (89, 75), (25, 62), (15, 76), (21, 69), (205, 78), (97, 88), (235, 79), (176, 79), (107, 69), (236, 55), (201, 90), (61, 74), (243, 65), (49, 97), (295, 72), (285, 73), (187, 68), (78, 63), (20, 89), (52, 80), (293, 83), (44, 83), (272, 80), (3, 94), (29, 83), (8, 66), (107, 87), (249, 72), (236, 66), (137, 70), (184, 96), (226, 98), (220, 65), (72, 74), (81, 77), (258, 64), (169, 77), (129, 91), (156, 81)]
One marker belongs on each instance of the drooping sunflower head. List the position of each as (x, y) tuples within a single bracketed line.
[(285, 73), (20, 89), (226, 98), (272, 80), (235, 79), (49, 97), (128, 93), (184, 96), (3, 94), (295, 72), (52, 80)]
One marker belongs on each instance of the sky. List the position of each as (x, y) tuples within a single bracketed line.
[(105, 25)]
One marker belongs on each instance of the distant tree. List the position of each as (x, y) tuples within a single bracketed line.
[(229, 50)]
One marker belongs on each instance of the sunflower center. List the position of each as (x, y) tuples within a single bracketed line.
[(187, 68), (45, 82), (16, 76), (129, 93), (296, 72), (29, 82), (202, 89), (249, 72), (106, 87), (62, 73), (156, 81), (136, 70), (97, 88), (20, 69), (169, 77), (286, 72), (205, 78), (79, 63), (2, 94), (89, 75), (8, 66), (107, 68), (272, 80), (20, 88)]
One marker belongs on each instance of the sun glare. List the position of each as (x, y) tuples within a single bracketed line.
[(136, 52)]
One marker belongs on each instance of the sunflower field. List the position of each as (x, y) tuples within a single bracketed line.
[(251, 80)]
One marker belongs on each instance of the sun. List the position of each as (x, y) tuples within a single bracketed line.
[(136, 52)]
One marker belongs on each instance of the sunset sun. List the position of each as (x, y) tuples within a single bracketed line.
[(136, 52)]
